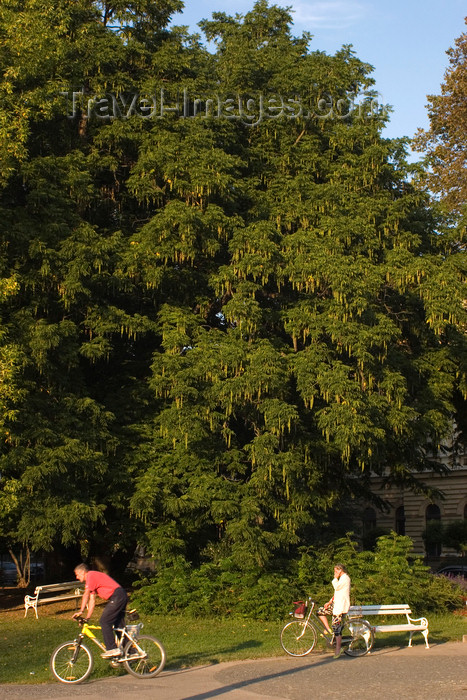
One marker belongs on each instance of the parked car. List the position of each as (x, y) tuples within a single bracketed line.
[(454, 571), (9, 574)]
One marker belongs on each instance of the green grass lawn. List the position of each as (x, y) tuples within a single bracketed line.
[(26, 643)]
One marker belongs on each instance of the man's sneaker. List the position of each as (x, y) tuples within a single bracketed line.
[(337, 654), (110, 653)]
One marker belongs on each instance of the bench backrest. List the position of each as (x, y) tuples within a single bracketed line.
[(52, 587), (403, 609)]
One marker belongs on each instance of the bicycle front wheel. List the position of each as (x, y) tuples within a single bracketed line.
[(145, 657), (361, 637), (71, 663), (298, 638)]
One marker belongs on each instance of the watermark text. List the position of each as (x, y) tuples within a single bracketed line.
[(248, 110)]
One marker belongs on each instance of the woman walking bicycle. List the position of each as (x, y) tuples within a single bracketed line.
[(338, 607), (299, 637)]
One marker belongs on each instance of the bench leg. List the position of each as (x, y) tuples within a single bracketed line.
[(34, 608), (425, 634), (28, 604)]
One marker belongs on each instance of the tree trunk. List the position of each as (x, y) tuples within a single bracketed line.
[(23, 567)]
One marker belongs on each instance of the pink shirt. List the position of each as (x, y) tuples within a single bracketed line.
[(100, 583)]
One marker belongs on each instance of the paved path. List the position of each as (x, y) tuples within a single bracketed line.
[(438, 673)]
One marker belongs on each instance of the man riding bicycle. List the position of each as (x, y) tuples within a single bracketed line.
[(98, 583)]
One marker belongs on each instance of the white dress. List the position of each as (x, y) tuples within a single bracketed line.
[(341, 587)]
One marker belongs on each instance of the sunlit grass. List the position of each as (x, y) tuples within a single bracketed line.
[(26, 643)]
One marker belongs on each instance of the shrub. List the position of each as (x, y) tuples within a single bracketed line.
[(389, 574), (455, 535), (214, 590)]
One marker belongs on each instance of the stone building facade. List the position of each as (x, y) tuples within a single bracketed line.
[(410, 512)]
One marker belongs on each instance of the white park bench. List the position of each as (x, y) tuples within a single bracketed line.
[(52, 592), (411, 626)]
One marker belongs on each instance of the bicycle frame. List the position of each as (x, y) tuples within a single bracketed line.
[(140, 655), (299, 637), (87, 630), (321, 629), (318, 624)]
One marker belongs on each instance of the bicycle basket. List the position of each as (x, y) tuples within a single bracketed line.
[(134, 630), (300, 609)]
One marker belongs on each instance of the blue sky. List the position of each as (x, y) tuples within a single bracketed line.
[(404, 40)]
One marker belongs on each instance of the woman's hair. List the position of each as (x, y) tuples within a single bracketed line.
[(341, 567), (82, 567)]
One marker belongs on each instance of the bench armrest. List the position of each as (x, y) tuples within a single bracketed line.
[(419, 620), (30, 598)]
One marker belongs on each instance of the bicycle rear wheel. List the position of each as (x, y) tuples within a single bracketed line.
[(148, 662), (298, 638), (361, 637), (71, 663)]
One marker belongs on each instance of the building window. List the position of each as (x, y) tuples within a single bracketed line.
[(400, 520), (369, 520), (433, 531), (369, 531)]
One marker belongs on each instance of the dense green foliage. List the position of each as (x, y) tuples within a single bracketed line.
[(453, 534), (217, 318), (445, 141), (390, 574)]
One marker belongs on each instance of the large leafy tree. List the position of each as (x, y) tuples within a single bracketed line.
[(445, 142), (223, 303), (310, 340), (444, 145), (70, 321)]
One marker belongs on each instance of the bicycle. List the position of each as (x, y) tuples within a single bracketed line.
[(298, 638), (142, 656)]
